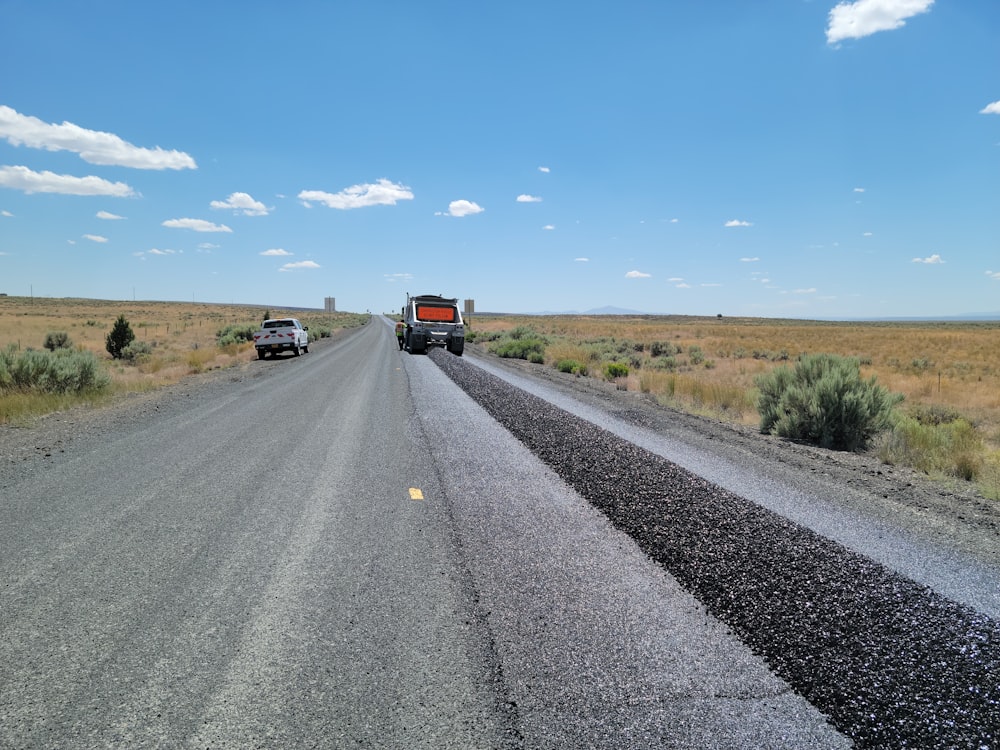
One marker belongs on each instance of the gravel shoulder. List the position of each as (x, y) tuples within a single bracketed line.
[(951, 511)]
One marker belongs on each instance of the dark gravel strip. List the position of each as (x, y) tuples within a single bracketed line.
[(892, 663)]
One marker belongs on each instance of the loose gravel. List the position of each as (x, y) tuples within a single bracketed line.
[(889, 661)]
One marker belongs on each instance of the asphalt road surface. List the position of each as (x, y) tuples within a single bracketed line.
[(345, 550)]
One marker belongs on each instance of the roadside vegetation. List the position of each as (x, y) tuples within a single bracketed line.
[(60, 353), (921, 395)]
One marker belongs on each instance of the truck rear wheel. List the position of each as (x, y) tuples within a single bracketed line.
[(261, 354)]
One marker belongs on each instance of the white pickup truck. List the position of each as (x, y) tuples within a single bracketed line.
[(281, 335)]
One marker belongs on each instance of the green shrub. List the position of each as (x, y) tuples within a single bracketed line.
[(137, 351), (519, 348), (235, 334), (824, 401), (121, 336), (61, 371), (571, 366), (614, 370), (57, 340)]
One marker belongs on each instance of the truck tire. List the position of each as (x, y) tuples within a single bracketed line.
[(295, 350), (261, 354), (305, 349), (456, 349)]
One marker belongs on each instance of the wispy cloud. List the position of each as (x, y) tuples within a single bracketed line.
[(528, 199), (931, 260), (810, 290), (300, 264), (394, 277), (276, 252), (749, 260), (379, 193), (7, 214), (107, 216), (22, 178), (859, 190), (865, 17), (155, 251), (637, 275), (95, 238), (991, 109), (738, 223), (544, 169), (198, 225), (92, 146), (242, 203), (995, 275), (461, 208), (549, 227)]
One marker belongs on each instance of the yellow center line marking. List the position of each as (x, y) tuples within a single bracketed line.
[(416, 494)]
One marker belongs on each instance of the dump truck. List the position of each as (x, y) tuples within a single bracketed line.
[(432, 320)]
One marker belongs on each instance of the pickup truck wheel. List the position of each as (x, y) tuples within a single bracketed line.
[(261, 354), (305, 349), (295, 351)]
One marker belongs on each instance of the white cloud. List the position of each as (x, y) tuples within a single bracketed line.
[(866, 234), (93, 146), (154, 251), (394, 277), (528, 199), (109, 216), (198, 225), (544, 169), (300, 264), (242, 203), (738, 223), (549, 227), (207, 246), (682, 285), (637, 275), (95, 238), (749, 260), (865, 17), (995, 275), (22, 178), (811, 290), (991, 109), (380, 193), (859, 190), (6, 213), (276, 251), (674, 221), (931, 260), (581, 260), (462, 208)]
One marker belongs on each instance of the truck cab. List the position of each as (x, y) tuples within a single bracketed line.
[(433, 321)]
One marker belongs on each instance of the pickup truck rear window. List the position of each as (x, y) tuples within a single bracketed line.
[(279, 324), (436, 314)]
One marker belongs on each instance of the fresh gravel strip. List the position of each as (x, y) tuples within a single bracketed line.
[(891, 662)]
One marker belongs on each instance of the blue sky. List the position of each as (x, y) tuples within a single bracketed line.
[(777, 158)]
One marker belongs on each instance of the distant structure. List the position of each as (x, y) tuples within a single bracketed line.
[(330, 304), (470, 307)]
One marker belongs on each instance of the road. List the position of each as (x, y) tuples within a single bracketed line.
[(345, 550)]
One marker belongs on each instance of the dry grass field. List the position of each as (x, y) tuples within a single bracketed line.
[(946, 371), (181, 337)]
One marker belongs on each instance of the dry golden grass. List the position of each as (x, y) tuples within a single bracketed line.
[(954, 365), (181, 336)]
